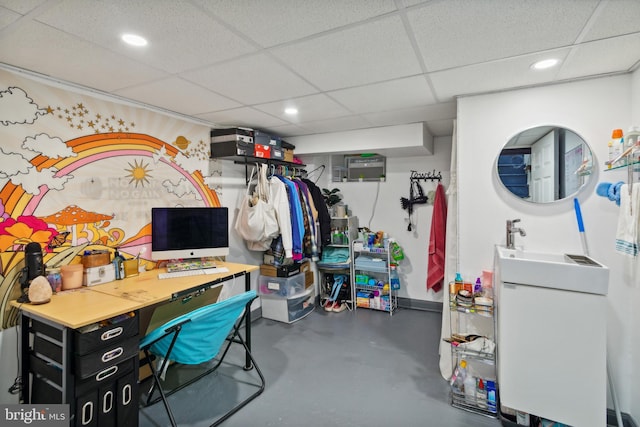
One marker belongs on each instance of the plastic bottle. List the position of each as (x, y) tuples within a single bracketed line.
[(618, 142), (477, 288), (118, 265), (612, 154), (491, 396), (470, 388), (454, 288), (458, 377), (481, 394), (394, 279)]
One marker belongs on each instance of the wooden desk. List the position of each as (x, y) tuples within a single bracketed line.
[(146, 289), (70, 310)]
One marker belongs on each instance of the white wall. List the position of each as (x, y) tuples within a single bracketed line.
[(634, 395), (592, 109), (388, 214)]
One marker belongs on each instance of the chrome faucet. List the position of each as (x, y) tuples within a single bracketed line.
[(511, 231)]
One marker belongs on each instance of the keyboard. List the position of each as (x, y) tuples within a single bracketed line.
[(198, 272)]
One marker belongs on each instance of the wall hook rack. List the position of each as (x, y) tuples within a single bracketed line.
[(417, 197), (425, 176)]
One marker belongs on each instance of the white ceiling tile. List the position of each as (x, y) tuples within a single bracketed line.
[(450, 32), (413, 115), (409, 3), (254, 79), (21, 6), (245, 117), (391, 95), (335, 125), (372, 52), (496, 75), (274, 22), (180, 35), (310, 108), (67, 58), (615, 17), (7, 17), (617, 54), (178, 95), (284, 131)]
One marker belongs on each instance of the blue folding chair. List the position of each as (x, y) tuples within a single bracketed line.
[(197, 337)]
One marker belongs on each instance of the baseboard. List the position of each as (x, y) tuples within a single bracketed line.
[(416, 304), (627, 420)]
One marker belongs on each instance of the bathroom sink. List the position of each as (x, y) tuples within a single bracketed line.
[(577, 273)]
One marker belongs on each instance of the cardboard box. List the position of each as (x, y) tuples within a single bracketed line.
[(288, 154), (97, 275), (277, 153), (262, 151), (308, 279), (280, 271), (232, 134), (231, 148), (305, 266)]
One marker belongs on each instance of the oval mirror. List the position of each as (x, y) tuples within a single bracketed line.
[(545, 164)]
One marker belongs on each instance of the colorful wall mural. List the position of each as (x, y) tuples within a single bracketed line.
[(78, 173)]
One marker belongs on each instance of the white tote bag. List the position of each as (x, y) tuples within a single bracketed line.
[(256, 221)]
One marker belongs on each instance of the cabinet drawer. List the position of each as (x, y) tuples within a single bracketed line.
[(46, 348), (46, 329), (103, 336), (127, 400), (92, 363), (46, 369), (105, 376)]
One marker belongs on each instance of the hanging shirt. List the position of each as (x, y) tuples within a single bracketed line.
[(297, 224)]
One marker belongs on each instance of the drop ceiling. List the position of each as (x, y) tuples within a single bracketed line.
[(345, 64)]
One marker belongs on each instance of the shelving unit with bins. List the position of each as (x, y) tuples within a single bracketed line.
[(370, 268), (349, 227), (481, 362)]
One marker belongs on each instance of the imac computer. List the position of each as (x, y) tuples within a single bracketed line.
[(189, 232)]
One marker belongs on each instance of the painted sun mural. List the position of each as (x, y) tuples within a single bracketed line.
[(80, 173)]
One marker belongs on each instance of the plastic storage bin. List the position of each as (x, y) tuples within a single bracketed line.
[(281, 286), (287, 309)]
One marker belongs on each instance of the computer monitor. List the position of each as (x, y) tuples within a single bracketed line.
[(189, 232)]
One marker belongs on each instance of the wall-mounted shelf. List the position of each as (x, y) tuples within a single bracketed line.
[(248, 160)]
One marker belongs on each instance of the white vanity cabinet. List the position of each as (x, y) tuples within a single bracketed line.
[(551, 352)]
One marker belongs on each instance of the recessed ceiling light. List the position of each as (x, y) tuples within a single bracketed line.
[(545, 63), (291, 111), (134, 40)]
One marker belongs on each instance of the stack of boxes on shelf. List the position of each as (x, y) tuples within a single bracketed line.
[(286, 291), (248, 142)]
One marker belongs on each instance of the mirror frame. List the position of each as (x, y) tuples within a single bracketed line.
[(522, 169)]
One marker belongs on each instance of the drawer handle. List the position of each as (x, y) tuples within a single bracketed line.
[(107, 402), (126, 394), (87, 413), (111, 333), (112, 354), (102, 375)]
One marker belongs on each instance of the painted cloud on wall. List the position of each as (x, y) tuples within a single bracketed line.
[(18, 108), (50, 146)]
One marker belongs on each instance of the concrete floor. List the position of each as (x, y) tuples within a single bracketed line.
[(362, 368)]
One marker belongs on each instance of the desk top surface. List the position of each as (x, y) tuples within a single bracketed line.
[(86, 305)]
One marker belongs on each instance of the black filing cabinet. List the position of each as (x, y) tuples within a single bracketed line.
[(94, 369)]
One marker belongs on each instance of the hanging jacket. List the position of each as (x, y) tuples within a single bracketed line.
[(280, 199), (324, 219)]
